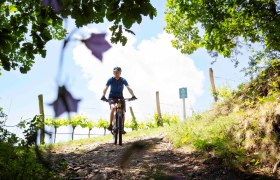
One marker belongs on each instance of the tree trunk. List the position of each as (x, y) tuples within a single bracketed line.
[(89, 133), (104, 131), (73, 132), (55, 129)]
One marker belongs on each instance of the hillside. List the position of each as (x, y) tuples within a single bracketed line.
[(243, 128)]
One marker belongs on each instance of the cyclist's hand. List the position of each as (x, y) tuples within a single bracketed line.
[(104, 98), (133, 98)]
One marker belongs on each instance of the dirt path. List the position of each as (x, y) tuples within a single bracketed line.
[(141, 158)]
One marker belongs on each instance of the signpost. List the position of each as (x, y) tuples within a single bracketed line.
[(183, 95)]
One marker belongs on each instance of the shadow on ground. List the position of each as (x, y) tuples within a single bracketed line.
[(144, 159)]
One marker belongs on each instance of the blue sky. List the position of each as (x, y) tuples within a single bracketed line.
[(19, 92)]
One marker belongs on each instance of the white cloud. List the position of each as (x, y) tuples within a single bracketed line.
[(153, 65)]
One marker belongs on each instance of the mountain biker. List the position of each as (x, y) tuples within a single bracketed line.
[(117, 85)]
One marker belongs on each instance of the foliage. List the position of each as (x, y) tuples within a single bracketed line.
[(175, 119), (131, 123), (21, 158), (102, 123), (224, 92), (223, 27), (167, 119), (150, 124), (208, 134), (26, 26), (56, 123), (262, 88), (88, 124), (76, 121), (142, 125), (158, 120), (2, 114)]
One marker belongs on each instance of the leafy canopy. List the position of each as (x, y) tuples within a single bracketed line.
[(223, 26), (26, 26)]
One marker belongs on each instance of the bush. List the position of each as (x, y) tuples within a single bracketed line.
[(21, 159), (131, 123), (56, 123), (102, 123), (224, 92), (205, 134), (166, 119), (158, 120), (76, 121)]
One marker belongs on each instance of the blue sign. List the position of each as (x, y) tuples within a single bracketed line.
[(183, 93)]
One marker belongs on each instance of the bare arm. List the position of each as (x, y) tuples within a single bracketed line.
[(130, 91), (105, 90)]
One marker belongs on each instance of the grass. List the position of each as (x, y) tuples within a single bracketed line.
[(205, 133), (245, 138)]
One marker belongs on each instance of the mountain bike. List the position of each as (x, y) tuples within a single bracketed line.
[(118, 121)]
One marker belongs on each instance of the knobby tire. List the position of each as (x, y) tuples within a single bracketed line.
[(115, 130)]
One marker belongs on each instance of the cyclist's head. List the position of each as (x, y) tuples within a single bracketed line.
[(117, 72)]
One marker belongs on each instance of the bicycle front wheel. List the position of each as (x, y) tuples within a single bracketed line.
[(115, 130), (120, 128)]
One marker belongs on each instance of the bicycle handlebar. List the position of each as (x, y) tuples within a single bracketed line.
[(125, 99)]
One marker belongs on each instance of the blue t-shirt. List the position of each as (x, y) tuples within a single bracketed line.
[(116, 87)]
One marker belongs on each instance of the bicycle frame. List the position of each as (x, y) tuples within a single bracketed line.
[(118, 121)]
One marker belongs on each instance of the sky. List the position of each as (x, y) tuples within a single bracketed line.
[(149, 64)]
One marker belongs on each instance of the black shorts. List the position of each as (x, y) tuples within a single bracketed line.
[(113, 101)]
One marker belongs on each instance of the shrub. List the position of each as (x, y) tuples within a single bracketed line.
[(76, 121), (158, 120), (102, 123), (21, 159), (56, 123)]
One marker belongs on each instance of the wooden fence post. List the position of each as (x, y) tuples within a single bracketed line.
[(133, 119), (158, 104), (158, 109), (42, 119), (132, 113), (211, 74)]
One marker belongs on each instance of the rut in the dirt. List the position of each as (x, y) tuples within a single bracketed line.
[(149, 158)]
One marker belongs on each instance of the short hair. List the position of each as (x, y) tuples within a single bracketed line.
[(117, 69)]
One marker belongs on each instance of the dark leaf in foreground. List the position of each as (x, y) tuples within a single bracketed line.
[(65, 102), (135, 148), (97, 44), (55, 4)]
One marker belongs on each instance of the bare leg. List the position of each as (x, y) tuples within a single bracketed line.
[(112, 114)]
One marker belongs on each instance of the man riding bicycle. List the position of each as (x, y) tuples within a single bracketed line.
[(117, 85)]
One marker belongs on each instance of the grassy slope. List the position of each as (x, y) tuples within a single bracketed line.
[(243, 129)]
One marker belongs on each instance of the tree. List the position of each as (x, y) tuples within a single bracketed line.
[(103, 123), (76, 121), (88, 124), (223, 26), (26, 26), (56, 123)]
